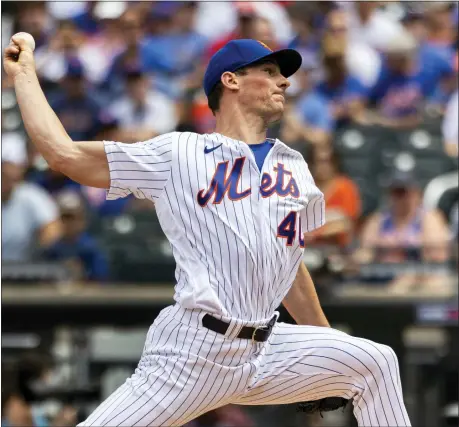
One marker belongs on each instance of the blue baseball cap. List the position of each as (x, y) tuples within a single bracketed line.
[(402, 179), (240, 53)]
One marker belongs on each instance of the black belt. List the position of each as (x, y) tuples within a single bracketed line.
[(259, 334)]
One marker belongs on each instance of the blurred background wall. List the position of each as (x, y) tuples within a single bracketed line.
[(374, 110)]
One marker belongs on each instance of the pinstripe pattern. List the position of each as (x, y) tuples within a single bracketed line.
[(228, 252), (232, 263), (306, 363), (187, 370)]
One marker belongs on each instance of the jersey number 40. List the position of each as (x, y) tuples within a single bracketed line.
[(287, 229)]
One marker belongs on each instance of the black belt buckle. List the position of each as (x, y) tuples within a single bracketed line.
[(267, 328)]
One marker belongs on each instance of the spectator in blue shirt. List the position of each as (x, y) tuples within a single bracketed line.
[(130, 57), (441, 26), (83, 117), (86, 21), (440, 69), (173, 55), (80, 113), (437, 39), (77, 249), (305, 41), (315, 112), (52, 181), (311, 119), (344, 92), (408, 79)]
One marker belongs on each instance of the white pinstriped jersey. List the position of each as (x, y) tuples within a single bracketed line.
[(236, 232), (236, 236)]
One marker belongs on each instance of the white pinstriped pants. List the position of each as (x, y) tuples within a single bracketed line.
[(187, 370)]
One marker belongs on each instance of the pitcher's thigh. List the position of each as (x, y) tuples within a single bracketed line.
[(307, 363)]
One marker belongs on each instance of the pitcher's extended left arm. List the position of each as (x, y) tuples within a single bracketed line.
[(302, 301)]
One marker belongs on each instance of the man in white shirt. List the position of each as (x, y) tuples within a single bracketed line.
[(30, 216), (362, 60), (450, 126), (369, 24), (143, 113)]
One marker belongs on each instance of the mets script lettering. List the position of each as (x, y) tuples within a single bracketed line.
[(227, 183), (268, 187), (222, 184)]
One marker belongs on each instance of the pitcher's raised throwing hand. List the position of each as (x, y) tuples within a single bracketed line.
[(18, 56)]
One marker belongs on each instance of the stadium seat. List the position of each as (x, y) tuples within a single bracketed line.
[(442, 193), (133, 222), (422, 141), (140, 264), (429, 167), (137, 248), (362, 167), (425, 168), (370, 193), (353, 140), (388, 144), (359, 150)]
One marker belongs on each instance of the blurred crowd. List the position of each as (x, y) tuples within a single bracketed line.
[(129, 71)]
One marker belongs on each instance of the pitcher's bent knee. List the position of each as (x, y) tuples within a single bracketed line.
[(380, 360)]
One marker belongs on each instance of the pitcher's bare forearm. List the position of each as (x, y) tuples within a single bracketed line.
[(84, 162), (40, 121), (302, 301)]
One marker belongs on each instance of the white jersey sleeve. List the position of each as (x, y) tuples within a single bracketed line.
[(142, 169), (313, 215)]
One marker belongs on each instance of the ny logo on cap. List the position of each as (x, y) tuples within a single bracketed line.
[(267, 47)]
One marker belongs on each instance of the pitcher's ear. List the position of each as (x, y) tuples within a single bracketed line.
[(230, 80)]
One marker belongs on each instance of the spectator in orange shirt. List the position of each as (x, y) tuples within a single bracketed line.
[(342, 199)]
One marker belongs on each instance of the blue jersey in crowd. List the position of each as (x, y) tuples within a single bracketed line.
[(341, 95), (85, 249), (351, 88), (82, 117), (171, 57), (400, 95), (314, 111)]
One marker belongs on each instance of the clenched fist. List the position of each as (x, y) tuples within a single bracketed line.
[(18, 56)]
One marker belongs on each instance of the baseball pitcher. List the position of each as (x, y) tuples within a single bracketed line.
[(234, 206)]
